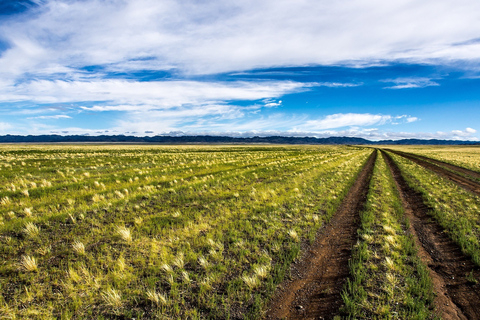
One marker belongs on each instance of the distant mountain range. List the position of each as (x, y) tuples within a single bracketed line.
[(205, 139)]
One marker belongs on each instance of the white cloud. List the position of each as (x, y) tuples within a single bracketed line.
[(344, 120), (407, 83), (338, 84), (468, 132), (222, 36), (4, 126), (126, 95), (57, 116)]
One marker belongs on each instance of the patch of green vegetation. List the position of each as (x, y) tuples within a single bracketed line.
[(455, 209), (159, 232), (463, 156)]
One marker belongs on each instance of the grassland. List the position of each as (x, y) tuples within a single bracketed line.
[(159, 232), (209, 232)]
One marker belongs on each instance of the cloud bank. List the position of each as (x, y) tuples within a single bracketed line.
[(62, 37)]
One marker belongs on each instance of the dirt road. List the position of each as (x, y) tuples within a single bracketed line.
[(452, 272), (314, 293)]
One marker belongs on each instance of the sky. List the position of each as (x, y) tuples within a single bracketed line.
[(373, 69)]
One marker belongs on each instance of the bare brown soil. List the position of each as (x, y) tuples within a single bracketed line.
[(439, 167), (457, 296), (315, 290)]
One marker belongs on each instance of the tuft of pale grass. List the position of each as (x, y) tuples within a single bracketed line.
[(389, 229), (5, 201), (251, 281), (29, 264), (293, 234), (112, 298), (203, 262), (186, 276), (45, 183), (44, 250), (78, 247), (391, 278), (124, 233), (368, 238), (97, 198), (156, 297), (28, 212), (119, 194), (31, 230), (179, 261), (165, 267), (276, 247), (261, 271), (391, 240), (389, 263)]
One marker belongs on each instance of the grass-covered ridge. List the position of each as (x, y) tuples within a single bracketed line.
[(145, 232), (463, 156), (454, 208)]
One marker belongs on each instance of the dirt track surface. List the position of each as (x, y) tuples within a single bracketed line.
[(439, 167), (457, 297), (319, 277)]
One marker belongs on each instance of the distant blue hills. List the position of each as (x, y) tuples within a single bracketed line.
[(206, 139)]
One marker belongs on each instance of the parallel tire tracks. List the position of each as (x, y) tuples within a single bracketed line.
[(315, 293), (445, 170), (450, 269)]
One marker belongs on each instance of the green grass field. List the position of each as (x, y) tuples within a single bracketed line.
[(206, 232)]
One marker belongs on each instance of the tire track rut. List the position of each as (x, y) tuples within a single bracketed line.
[(450, 269), (315, 293), (439, 167)]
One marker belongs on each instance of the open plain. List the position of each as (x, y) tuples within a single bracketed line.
[(239, 232)]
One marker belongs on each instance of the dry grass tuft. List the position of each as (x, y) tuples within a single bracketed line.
[(251, 281), (31, 230), (78, 247), (29, 264), (156, 297), (293, 234), (124, 233), (112, 298)]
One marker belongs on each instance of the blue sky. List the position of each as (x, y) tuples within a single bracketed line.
[(372, 69)]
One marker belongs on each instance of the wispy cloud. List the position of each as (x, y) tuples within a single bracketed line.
[(338, 84), (4, 126), (340, 120), (55, 117), (408, 83)]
